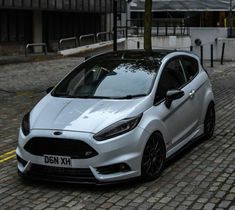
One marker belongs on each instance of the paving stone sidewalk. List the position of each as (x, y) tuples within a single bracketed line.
[(202, 177)]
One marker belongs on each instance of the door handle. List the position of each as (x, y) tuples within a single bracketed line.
[(192, 93)]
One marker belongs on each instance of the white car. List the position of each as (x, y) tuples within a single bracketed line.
[(117, 116)]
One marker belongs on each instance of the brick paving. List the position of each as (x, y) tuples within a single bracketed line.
[(202, 177)]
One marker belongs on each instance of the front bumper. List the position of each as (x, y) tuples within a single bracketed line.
[(125, 149)]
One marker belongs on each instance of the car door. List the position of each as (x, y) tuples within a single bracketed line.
[(195, 83), (179, 119)]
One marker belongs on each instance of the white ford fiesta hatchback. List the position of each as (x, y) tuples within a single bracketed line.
[(117, 116)]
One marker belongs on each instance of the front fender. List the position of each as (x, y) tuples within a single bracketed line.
[(152, 124)]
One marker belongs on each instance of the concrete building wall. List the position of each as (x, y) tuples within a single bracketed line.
[(103, 6), (208, 36), (37, 30), (161, 42)]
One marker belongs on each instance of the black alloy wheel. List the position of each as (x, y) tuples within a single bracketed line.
[(153, 157), (209, 123)]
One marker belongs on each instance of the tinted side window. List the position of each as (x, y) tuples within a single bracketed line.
[(172, 78), (190, 66)]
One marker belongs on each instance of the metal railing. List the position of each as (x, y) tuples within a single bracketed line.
[(93, 38), (67, 40), (43, 45), (121, 33), (161, 27), (87, 37), (104, 36)]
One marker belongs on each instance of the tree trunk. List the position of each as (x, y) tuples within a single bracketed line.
[(148, 25)]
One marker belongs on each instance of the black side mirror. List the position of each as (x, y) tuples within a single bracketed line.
[(172, 95), (48, 90)]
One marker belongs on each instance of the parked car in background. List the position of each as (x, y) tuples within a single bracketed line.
[(117, 116)]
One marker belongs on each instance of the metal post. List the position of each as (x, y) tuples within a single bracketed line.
[(212, 56), (157, 28), (202, 55), (138, 45), (127, 11), (230, 19), (115, 25), (166, 29), (191, 48), (222, 54)]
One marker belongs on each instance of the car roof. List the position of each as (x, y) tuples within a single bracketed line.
[(139, 54), (134, 54)]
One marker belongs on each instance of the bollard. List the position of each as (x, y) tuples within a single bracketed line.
[(191, 48), (212, 56), (222, 54), (138, 45), (201, 55)]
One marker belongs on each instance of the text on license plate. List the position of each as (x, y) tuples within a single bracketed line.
[(54, 160)]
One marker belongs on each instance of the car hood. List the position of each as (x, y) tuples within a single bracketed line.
[(83, 115)]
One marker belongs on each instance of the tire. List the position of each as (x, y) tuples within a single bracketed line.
[(154, 157), (209, 122)]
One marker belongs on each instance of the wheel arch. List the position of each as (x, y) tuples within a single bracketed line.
[(157, 126), (208, 99)]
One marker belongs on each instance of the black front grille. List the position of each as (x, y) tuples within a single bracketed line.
[(75, 149), (61, 174)]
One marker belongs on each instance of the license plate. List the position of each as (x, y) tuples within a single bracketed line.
[(53, 160)]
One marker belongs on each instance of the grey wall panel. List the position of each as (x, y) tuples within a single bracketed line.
[(66, 4), (92, 5), (80, 5), (108, 6), (73, 4), (8, 3), (35, 4), (43, 4), (27, 3), (97, 6), (102, 5), (59, 4), (51, 4), (86, 5), (17, 3)]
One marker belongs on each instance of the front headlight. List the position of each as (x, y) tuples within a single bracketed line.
[(25, 124), (118, 128)]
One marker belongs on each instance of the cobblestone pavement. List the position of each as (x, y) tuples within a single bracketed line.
[(202, 177)]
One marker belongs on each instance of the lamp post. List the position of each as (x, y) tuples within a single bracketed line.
[(129, 4), (127, 15), (115, 25)]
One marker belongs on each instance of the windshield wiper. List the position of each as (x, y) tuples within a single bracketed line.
[(131, 96), (100, 97), (85, 96)]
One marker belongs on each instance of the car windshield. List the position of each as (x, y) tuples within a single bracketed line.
[(109, 78)]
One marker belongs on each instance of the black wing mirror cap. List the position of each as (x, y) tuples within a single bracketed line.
[(172, 95), (48, 90)]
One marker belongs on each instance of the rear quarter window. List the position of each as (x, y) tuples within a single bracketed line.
[(190, 66)]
